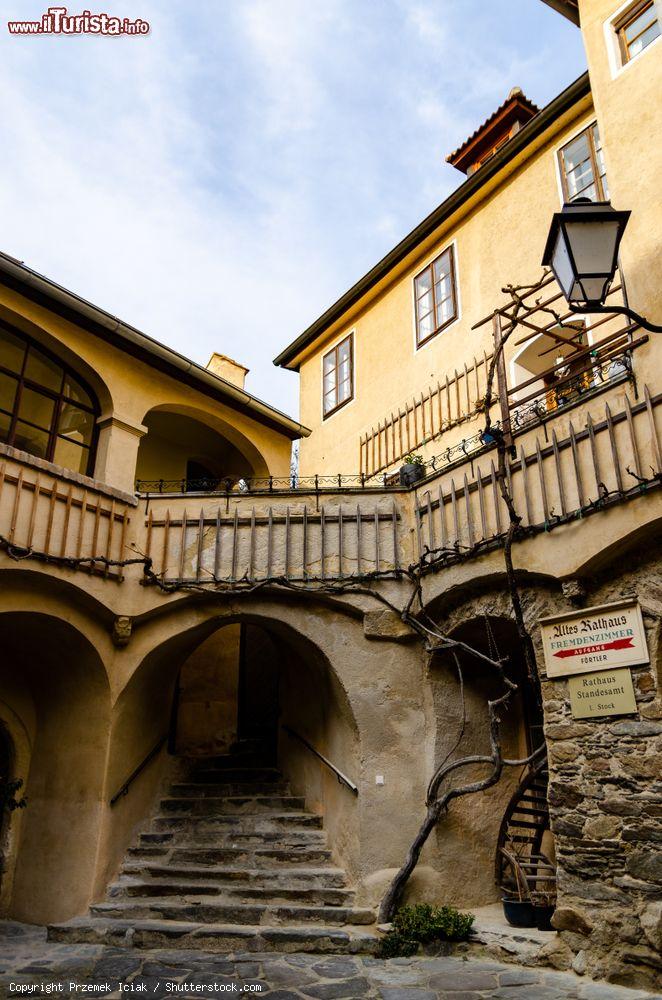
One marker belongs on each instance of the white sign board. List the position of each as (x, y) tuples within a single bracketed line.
[(602, 638), (610, 692)]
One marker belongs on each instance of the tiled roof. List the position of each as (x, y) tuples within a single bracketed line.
[(516, 96)]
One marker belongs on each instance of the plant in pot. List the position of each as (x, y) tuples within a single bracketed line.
[(516, 901), (544, 904), (412, 469)]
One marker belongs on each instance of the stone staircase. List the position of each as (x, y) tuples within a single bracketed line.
[(232, 862)]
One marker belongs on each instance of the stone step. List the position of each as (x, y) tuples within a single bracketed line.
[(233, 805), (163, 889), (206, 789), (212, 911), (306, 878), (251, 856), (250, 764), (215, 937), (247, 823), (230, 775)]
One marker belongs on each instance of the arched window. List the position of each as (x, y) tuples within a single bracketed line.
[(44, 409)]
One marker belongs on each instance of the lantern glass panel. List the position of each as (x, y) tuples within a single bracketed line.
[(592, 245)]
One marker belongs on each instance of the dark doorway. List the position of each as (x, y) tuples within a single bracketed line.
[(259, 683)]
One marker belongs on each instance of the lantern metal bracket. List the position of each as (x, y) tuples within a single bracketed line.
[(618, 310)]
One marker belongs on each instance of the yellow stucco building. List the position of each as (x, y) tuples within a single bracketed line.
[(219, 671)]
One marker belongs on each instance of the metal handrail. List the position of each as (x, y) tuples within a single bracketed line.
[(342, 778), (141, 767)]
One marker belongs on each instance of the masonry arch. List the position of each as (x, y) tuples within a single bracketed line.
[(54, 694), (47, 407), (202, 451), (202, 689), (469, 837)]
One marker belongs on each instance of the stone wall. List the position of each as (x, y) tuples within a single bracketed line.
[(605, 801)]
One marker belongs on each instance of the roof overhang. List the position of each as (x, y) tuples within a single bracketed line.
[(569, 9), (292, 355), (16, 275)]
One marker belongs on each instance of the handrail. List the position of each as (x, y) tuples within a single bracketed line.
[(141, 767), (342, 778)]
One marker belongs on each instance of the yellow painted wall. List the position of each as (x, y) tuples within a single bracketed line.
[(499, 238), (129, 390), (630, 115)]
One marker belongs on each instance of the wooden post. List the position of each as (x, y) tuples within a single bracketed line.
[(502, 382)]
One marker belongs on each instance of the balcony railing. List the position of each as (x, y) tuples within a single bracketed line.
[(425, 418), (58, 518), (602, 462)]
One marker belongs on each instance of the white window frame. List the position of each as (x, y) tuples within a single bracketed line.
[(326, 350), (588, 123), (614, 55), (458, 297)]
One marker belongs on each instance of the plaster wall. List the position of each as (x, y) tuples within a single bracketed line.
[(499, 238), (128, 388), (628, 108)]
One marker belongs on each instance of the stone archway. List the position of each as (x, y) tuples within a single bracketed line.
[(469, 838), (55, 700), (182, 689)]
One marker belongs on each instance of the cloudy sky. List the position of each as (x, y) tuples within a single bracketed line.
[(220, 181)]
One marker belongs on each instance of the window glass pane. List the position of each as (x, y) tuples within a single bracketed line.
[(36, 408), (5, 422), (76, 424), (425, 304), (329, 402), (343, 351), (7, 391), (12, 351), (344, 391), (442, 266), (424, 282), (41, 369), (645, 34), (329, 383), (31, 439), (74, 391), (444, 311), (70, 455), (425, 326), (329, 362)]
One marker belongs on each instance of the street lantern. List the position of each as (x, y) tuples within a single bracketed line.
[(582, 250)]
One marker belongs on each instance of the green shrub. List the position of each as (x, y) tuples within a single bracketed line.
[(395, 945), (419, 924)]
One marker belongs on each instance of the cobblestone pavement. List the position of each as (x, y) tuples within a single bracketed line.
[(31, 963)]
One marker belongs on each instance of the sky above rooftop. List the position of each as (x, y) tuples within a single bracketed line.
[(219, 182)]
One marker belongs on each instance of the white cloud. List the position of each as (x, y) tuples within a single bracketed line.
[(219, 182)]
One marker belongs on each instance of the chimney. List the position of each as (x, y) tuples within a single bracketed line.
[(226, 368)]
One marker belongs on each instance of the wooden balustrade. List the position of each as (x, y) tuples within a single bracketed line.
[(425, 417), (549, 480), (53, 518), (297, 542)]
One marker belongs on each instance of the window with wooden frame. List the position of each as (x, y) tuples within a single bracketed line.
[(338, 376), (435, 292), (637, 28), (44, 408), (583, 167)]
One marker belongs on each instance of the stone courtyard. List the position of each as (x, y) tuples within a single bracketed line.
[(35, 967)]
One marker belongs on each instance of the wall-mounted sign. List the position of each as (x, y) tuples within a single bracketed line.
[(609, 692), (591, 639)]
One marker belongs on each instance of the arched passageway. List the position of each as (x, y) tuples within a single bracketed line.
[(54, 691), (471, 835), (241, 681), (191, 451)]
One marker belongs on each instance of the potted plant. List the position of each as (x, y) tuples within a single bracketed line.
[(412, 470), (517, 905), (544, 904)]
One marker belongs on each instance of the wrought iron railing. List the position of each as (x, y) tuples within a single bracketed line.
[(342, 778)]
